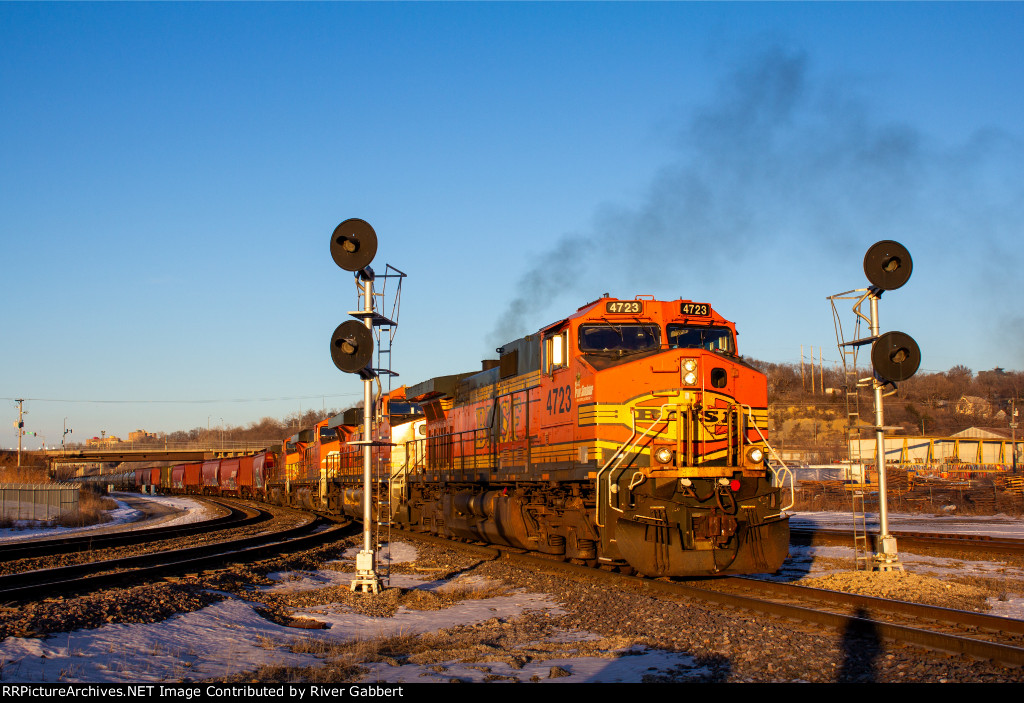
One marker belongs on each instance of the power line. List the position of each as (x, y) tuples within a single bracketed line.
[(203, 401)]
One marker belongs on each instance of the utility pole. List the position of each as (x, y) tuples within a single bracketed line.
[(66, 433), (813, 380), (1013, 432), (803, 384), (21, 425), (821, 373)]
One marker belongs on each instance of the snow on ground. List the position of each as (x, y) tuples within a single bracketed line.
[(822, 560), (191, 511), (997, 526), (231, 637), (631, 667)]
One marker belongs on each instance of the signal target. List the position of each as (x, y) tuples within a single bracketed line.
[(353, 244), (895, 356), (888, 265), (351, 346)]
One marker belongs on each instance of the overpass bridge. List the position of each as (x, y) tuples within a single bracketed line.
[(121, 454)]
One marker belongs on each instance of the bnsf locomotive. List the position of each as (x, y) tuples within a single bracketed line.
[(629, 434)]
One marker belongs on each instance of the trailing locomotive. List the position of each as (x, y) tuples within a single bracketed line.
[(629, 434)]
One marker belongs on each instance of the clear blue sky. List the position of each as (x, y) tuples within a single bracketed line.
[(170, 175)]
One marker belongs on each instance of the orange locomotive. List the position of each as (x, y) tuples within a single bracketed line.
[(629, 434), (300, 479)]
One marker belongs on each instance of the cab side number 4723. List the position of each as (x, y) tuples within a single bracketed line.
[(559, 400)]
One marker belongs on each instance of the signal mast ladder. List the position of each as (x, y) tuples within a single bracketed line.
[(863, 555)]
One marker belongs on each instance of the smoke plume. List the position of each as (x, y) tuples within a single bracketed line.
[(785, 160)]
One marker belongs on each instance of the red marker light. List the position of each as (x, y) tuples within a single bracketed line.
[(734, 485)]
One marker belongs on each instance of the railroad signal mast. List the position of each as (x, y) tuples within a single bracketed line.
[(353, 246), (895, 357), (20, 425)]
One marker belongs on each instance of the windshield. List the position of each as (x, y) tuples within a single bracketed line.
[(620, 338), (399, 407), (693, 337)]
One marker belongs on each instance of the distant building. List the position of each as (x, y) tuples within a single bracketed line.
[(102, 441), (983, 433), (974, 405), (140, 436), (975, 445)]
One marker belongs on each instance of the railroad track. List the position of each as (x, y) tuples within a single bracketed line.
[(238, 516), (916, 541), (933, 628), (79, 578)]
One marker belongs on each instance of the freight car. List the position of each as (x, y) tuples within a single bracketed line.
[(629, 434), (242, 476), (120, 481)]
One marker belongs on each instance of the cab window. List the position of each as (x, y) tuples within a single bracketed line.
[(619, 338), (401, 407), (556, 351), (701, 337)]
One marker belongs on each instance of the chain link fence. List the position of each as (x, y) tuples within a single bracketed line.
[(23, 501)]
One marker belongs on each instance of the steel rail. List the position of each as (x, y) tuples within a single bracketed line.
[(237, 517), (919, 540), (80, 578), (1006, 655), (870, 604)]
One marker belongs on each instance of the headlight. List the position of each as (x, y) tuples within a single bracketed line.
[(755, 455), (663, 455), (690, 372)]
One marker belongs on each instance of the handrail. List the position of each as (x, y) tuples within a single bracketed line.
[(776, 474), (619, 455)]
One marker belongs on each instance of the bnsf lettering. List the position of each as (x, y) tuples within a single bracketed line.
[(708, 415), (559, 400), (511, 418), (652, 415)]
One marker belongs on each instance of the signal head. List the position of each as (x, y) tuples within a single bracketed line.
[(353, 244), (351, 346), (888, 265), (895, 356)]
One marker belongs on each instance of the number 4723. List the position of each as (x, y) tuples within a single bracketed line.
[(559, 400)]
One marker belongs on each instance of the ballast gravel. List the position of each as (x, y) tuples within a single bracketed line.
[(725, 645), (735, 646), (609, 621)]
